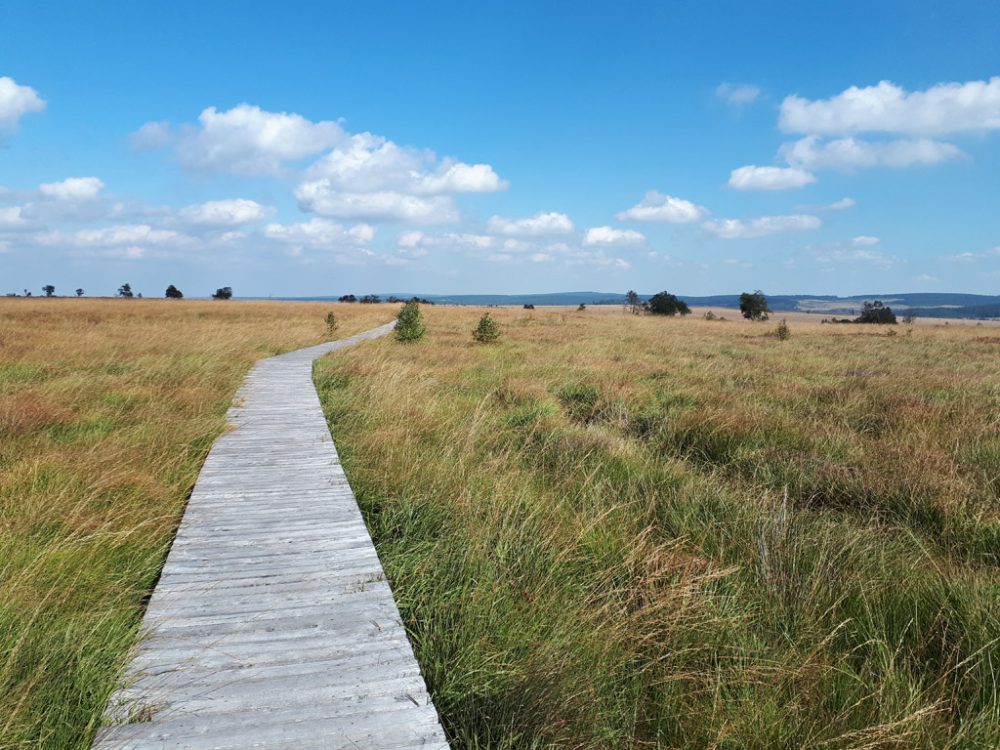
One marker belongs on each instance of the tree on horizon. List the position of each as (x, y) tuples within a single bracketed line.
[(174, 293), (753, 306), (50, 291), (79, 292), (665, 303), (632, 302), (125, 291), (224, 292), (876, 312)]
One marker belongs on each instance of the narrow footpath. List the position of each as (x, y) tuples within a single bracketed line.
[(272, 625)]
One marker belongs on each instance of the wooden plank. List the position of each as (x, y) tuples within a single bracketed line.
[(272, 625)]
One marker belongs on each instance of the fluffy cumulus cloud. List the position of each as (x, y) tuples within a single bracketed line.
[(321, 197), (367, 163), (370, 177), (17, 101), (320, 233), (812, 152), (769, 178), (739, 229), (72, 189), (737, 94), (243, 140), (225, 213), (656, 206), (537, 225), (888, 108), (864, 240), (359, 176), (612, 236)]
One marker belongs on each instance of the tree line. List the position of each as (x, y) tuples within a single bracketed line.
[(753, 306), (125, 292)]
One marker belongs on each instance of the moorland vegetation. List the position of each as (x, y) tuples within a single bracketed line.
[(107, 410), (616, 531)]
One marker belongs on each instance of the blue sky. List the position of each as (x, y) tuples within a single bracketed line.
[(324, 148)]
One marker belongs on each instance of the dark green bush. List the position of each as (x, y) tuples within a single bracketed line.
[(487, 331), (410, 323)]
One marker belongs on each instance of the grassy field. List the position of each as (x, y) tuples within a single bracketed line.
[(107, 410), (607, 531)]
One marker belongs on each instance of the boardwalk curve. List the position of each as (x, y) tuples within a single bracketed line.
[(272, 624)]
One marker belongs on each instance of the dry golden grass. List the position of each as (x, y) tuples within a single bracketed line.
[(107, 410), (618, 531)]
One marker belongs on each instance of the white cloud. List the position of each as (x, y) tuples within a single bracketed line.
[(321, 197), (16, 101), (456, 177), (320, 233), (410, 239), (888, 108), (451, 241), (369, 177), (121, 234), (737, 94), (539, 224), (737, 229), (365, 163), (656, 206), (225, 213), (769, 178), (812, 152), (969, 257), (152, 136), (244, 139), (11, 216), (359, 176), (841, 256), (612, 236), (864, 241), (72, 188), (841, 205)]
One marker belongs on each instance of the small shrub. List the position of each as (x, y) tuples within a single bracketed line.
[(331, 324), (487, 331), (782, 331), (410, 322), (581, 308)]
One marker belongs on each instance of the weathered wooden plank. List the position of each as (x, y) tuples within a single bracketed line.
[(272, 625)]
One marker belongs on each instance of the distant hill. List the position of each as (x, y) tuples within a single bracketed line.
[(921, 304)]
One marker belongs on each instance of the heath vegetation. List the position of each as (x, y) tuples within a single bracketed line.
[(107, 410), (609, 530)]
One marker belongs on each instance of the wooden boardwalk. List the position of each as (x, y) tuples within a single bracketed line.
[(272, 625)]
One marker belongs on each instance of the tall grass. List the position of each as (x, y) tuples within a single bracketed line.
[(610, 531), (107, 410)]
